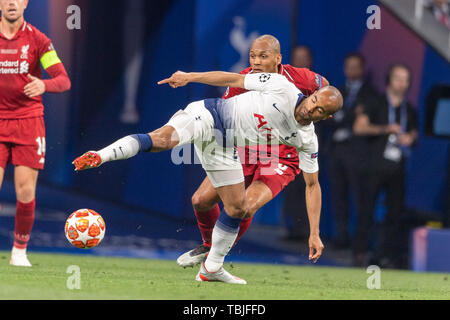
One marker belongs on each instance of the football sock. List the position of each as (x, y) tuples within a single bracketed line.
[(23, 223), (243, 227), (223, 236), (126, 147), (206, 221)]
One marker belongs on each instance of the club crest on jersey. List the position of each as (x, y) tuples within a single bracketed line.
[(25, 52), (264, 77)]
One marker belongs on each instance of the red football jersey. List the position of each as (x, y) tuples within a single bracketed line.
[(20, 56), (306, 81)]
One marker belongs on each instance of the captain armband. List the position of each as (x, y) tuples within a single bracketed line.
[(49, 59)]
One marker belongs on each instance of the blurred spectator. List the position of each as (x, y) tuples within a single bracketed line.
[(392, 125), (302, 57), (347, 153), (441, 11), (294, 205)]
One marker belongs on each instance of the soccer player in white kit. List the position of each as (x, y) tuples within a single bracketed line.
[(274, 111)]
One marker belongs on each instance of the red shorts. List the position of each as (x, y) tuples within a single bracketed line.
[(276, 174), (22, 142)]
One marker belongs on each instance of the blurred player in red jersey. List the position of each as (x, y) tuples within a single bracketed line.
[(265, 177), (22, 131)]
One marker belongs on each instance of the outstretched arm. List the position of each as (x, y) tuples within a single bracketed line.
[(212, 78), (313, 196)]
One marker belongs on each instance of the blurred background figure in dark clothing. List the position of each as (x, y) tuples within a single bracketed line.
[(294, 205), (392, 127), (348, 153), (302, 57)]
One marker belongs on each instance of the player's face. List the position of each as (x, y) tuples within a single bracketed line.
[(12, 10), (312, 109), (399, 81), (263, 58)]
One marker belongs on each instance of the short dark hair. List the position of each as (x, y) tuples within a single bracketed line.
[(303, 47), (358, 56), (394, 66)]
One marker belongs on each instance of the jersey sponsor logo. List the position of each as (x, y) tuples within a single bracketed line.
[(266, 131), (264, 77), (9, 64), (25, 52), (261, 120), (315, 155), (9, 67), (14, 67), (8, 51)]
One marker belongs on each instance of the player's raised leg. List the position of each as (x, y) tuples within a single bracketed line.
[(25, 180), (162, 139)]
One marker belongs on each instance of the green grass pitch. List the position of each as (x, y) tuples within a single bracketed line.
[(106, 278)]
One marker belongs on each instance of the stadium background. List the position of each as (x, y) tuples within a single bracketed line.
[(148, 197)]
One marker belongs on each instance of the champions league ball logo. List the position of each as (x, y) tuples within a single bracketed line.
[(264, 77)]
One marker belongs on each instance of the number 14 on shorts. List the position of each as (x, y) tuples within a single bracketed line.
[(41, 148)]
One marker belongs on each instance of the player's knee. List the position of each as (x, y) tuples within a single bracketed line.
[(161, 142), (163, 139), (237, 209), (25, 193), (252, 207), (200, 203)]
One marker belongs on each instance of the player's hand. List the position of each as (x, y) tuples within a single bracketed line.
[(315, 248), (178, 79), (393, 128), (35, 88)]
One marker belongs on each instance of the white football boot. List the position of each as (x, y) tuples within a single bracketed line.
[(221, 275), (19, 258), (193, 257)]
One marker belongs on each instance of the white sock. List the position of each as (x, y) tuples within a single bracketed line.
[(19, 251), (122, 149), (222, 242)]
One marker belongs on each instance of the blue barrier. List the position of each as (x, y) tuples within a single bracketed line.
[(430, 250)]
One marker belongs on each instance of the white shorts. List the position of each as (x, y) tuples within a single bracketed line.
[(195, 124)]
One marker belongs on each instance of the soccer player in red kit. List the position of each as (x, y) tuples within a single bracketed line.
[(22, 132), (265, 177)]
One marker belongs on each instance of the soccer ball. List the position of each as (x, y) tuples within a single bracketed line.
[(85, 228)]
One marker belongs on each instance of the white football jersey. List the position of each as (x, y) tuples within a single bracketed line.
[(265, 115)]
